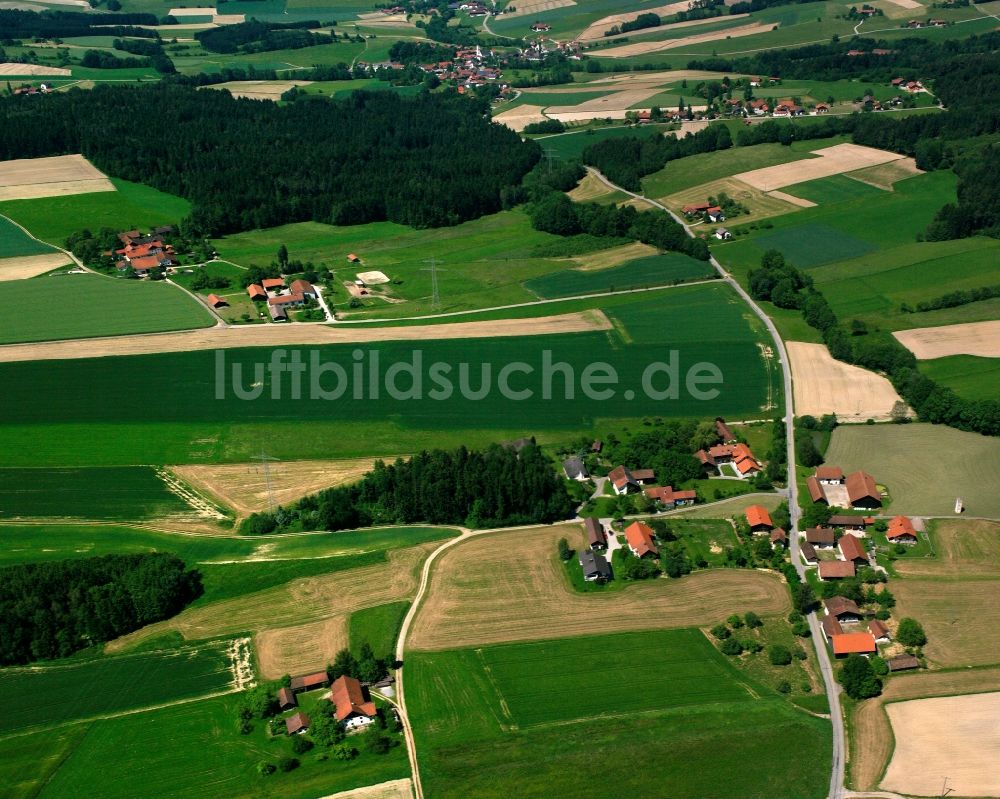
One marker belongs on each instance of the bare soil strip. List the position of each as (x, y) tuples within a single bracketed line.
[(27, 266), (518, 118), (595, 31), (32, 69), (590, 188), (972, 338), (907, 3), (298, 335), (244, 486), (299, 649), (509, 586), (394, 789), (199, 11), (872, 740), (599, 35), (643, 48), (955, 737), (788, 198), (832, 161), (825, 385), (28, 178), (259, 89), (605, 259), (536, 6), (616, 101), (884, 176)]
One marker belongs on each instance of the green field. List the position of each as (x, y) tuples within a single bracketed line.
[(700, 324), (812, 245), (571, 145), (653, 270), (529, 719), (951, 464), (15, 242), (378, 627), (162, 753), (970, 377), (133, 205), (85, 306), (40, 697), (130, 492)]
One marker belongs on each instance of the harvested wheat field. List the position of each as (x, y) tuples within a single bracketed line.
[(957, 737), (885, 176), (761, 205), (595, 31), (33, 69), (605, 259), (831, 161), (308, 599), (590, 188), (300, 649), (616, 101), (908, 4), (244, 486), (214, 338), (788, 198), (964, 548), (509, 586), (961, 618), (644, 48), (198, 11), (871, 734), (537, 6), (259, 89), (29, 178), (394, 789), (825, 385), (587, 116), (971, 338), (228, 19), (518, 118), (27, 266)]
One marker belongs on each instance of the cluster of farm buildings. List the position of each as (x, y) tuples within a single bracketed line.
[(278, 296), (145, 253), (352, 704), (470, 67)]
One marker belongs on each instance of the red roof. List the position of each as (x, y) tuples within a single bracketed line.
[(352, 257), (878, 629), (854, 644), (215, 300), (620, 477), (851, 548), (348, 699), (667, 494), (286, 299), (900, 527), (310, 681), (256, 292), (779, 535), (829, 472), (273, 282), (836, 569), (861, 485), (815, 489), (640, 539), (831, 626), (297, 722), (758, 516), (301, 287)]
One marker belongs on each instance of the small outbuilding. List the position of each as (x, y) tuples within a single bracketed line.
[(595, 567), (309, 682), (286, 699), (597, 538), (297, 723), (759, 519)]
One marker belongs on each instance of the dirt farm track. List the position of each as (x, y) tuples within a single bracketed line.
[(298, 335)]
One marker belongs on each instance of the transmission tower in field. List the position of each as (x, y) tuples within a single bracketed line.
[(435, 293)]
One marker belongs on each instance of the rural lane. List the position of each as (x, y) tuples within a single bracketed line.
[(822, 653)]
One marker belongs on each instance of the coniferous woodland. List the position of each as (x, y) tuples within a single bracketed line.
[(497, 487), (16, 24), (51, 610), (426, 161)]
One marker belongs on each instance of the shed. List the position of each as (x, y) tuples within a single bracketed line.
[(596, 537), (853, 644), (216, 301), (286, 699), (903, 663), (836, 569), (309, 682), (297, 723)]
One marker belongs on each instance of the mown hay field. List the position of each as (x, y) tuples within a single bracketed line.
[(60, 175), (82, 306), (509, 587), (42, 696), (527, 719), (963, 465), (970, 377)]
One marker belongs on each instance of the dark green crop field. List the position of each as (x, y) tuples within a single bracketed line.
[(661, 711), (684, 329), (131, 492), (15, 242), (654, 270)]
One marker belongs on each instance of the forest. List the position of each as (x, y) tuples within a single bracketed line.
[(16, 24), (788, 287), (51, 610), (429, 160), (254, 37), (497, 487)]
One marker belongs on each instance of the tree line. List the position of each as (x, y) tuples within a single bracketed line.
[(254, 36), (788, 287), (371, 157), (496, 487), (954, 299), (59, 24), (51, 610)]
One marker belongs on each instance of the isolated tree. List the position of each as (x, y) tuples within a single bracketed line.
[(752, 620), (803, 598), (282, 256), (565, 553), (806, 452), (911, 633), (779, 655), (858, 678)]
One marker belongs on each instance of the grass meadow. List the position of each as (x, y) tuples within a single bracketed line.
[(15, 242), (115, 493), (960, 465), (528, 719), (377, 626), (652, 270), (133, 205), (970, 377), (43, 696), (699, 323), (162, 753)]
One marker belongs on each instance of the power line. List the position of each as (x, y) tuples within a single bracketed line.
[(435, 294)]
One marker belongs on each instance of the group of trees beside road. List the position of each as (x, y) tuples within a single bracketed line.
[(51, 610), (788, 287), (244, 164), (496, 487)]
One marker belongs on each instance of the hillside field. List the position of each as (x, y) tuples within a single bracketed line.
[(528, 718), (84, 306), (686, 325), (649, 271), (925, 467), (969, 376), (15, 242), (42, 696)]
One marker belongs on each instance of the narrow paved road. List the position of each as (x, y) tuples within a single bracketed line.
[(822, 654)]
